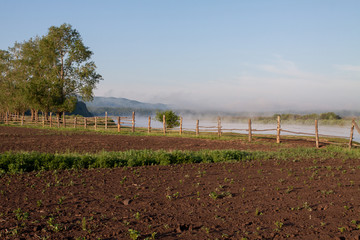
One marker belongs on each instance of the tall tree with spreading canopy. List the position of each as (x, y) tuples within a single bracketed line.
[(4, 73), (12, 80), (70, 70)]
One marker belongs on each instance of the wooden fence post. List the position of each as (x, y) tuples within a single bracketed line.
[(356, 127), (197, 128), (6, 118), (133, 122), (58, 120), (316, 133), (278, 129), (181, 122), (64, 120), (118, 124), (95, 123), (50, 119), (75, 122), (22, 119), (43, 119), (85, 122), (219, 126), (164, 125), (106, 120), (250, 130), (149, 124), (351, 134)]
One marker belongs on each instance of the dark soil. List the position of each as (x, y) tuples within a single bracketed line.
[(28, 139), (306, 199)]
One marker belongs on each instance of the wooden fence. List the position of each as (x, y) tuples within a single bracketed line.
[(126, 123)]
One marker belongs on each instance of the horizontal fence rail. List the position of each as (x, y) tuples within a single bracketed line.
[(128, 123)]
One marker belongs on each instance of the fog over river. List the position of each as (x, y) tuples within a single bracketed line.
[(190, 124)]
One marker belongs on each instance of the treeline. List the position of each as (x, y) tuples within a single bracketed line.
[(312, 116), (47, 73)]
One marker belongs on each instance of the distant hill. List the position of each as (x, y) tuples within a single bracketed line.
[(123, 103), (122, 106), (81, 109)]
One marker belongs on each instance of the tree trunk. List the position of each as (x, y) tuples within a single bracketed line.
[(58, 115), (32, 114), (36, 115)]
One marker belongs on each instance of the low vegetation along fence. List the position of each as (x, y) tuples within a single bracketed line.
[(128, 124)]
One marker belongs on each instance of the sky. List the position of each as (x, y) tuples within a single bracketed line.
[(228, 55)]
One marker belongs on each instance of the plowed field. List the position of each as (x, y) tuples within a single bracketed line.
[(28, 139), (273, 199)]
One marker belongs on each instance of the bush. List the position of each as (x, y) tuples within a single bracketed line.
[(329, 116), (171, 118)]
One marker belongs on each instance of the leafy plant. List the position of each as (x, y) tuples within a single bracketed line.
[(171, 118), (258, 212), (134, 234), (54, 226), (83, 224), (39, 203), (279, 226), (20, 215)]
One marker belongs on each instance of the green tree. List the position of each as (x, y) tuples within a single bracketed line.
[(329, 116), (70, 72), (47, 73), (171, 118), (35, 82), (4, 83), (12, 83)]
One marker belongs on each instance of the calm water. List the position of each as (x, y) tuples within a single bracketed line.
[(190, 124)]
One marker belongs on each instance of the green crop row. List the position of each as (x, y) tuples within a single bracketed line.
[(17, 162)]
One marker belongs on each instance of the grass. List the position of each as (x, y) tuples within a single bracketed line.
[(17, 162), (143, 131)]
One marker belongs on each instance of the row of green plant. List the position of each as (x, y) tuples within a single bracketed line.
[(17, 162)]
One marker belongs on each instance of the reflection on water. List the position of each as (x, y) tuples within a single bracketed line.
[(190, 124)]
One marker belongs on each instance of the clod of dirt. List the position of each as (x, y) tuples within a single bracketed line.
[(127, 202), (183, 227)]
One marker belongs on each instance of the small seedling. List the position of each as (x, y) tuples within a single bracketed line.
[(39, 203), (20, 215), (137, 215), (123, 180), (61, 200), (55, 227), (279, 226), (289, 189), (257, 212), (134, 234), (83, 224)]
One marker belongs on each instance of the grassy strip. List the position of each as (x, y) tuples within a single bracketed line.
[(186, 134), (17, 162)]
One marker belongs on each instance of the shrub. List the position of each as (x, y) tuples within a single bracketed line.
[(171, 118)]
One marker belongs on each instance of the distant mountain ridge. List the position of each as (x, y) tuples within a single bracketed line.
[(122, 106), (113, 102)]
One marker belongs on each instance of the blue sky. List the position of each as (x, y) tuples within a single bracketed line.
[(258, 55)]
